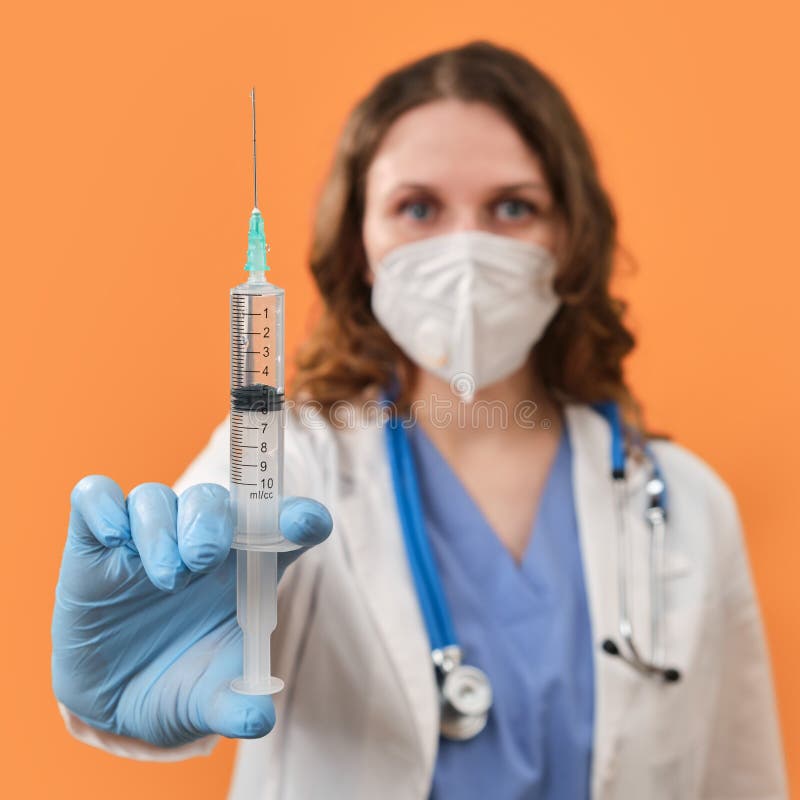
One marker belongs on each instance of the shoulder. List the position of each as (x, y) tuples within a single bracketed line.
[(704, 516), (694, 477), (332, 445), (691, 480), (311, 425)]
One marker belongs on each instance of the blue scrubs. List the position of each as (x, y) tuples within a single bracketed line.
[(527, 626)]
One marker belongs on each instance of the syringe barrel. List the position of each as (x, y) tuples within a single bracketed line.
[(257, 414)]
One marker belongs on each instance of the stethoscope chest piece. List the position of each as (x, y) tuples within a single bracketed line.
[(465, 694), (461, 727)]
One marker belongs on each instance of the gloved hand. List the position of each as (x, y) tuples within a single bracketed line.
[(145, 640)]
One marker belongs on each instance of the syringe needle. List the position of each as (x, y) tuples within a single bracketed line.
[(255, 178)]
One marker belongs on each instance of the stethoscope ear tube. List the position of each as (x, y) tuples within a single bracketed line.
[(655, 514), (669, 674)]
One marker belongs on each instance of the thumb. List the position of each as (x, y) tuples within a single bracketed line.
[(219, 709), (305, 522), (239, 716)]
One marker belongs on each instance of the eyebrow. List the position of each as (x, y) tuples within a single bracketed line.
[(510, 187)]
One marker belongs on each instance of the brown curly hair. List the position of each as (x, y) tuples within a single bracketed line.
[(579, 357)]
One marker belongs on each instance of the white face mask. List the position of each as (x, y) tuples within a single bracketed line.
[(466, 306)]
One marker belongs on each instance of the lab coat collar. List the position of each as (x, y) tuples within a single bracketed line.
[(381, 568)]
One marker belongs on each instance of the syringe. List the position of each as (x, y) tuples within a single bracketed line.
[(256, 452)]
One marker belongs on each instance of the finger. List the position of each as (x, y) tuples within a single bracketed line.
[(153, 511), (305, 522), (205, 526), (98, 515)]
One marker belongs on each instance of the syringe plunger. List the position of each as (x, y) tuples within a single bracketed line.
[(256, 604)]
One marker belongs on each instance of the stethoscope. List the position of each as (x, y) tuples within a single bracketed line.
[(656, 516), (465, 692)]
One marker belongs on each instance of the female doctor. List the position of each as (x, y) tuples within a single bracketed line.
[(487, 617)]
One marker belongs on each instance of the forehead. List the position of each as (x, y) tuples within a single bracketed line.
[(449, 142)]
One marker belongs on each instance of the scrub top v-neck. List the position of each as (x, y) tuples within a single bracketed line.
[(526, 625)]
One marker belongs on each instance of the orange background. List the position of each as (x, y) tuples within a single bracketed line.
[(125, 197)]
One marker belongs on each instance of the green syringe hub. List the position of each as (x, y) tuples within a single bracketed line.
[(257, 246)]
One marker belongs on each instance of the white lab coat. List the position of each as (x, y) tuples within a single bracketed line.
[(358, 718)]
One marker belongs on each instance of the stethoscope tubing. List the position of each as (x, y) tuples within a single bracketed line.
[(432, 600)]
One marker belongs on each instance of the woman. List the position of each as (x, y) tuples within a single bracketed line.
[(463, 251)]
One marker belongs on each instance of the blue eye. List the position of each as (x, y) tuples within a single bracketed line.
[(517, 209), (417, 210)]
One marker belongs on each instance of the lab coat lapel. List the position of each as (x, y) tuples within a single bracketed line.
[(616, 684), (373, 534)]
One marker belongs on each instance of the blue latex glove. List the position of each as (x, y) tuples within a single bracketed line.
[(145, 640)]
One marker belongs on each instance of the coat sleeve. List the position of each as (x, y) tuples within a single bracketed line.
[(745, 758)]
